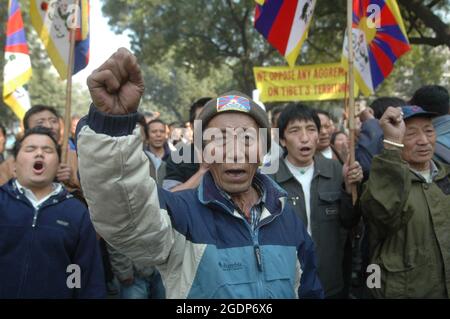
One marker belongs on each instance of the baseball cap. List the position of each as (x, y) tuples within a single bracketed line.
[(410, 111)]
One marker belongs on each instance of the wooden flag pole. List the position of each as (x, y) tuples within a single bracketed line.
[(351, 91), (70, 65)]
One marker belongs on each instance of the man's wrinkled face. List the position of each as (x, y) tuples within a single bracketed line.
[(419, 141), (37, 162), (300, 140), (325, 132), (157, 134), (46, 119), (235, 147)]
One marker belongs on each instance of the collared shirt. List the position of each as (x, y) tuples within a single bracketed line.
[(254, 215), (429, 174), (57, 188), (155, 159)]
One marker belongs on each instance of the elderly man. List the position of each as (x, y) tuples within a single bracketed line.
[(407, 205), (45, 233), (232, 237)]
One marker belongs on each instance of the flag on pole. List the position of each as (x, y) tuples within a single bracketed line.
[(379, 39), (17, 68), (52, 19), (284, 23)]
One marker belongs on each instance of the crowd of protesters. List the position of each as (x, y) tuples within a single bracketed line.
[(126, 217)]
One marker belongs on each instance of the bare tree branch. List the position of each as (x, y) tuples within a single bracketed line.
[(321, 50), (427, 41), (430, 20), (433, 3)]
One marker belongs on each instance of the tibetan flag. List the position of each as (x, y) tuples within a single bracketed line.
[(284, 23), (52, 19), (17, 69), (379, 39)]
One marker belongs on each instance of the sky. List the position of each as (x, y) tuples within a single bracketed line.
[(103, 42)]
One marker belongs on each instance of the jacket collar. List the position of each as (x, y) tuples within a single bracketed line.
[(321, 168), (12, 189), (438, 172), (273, 195)]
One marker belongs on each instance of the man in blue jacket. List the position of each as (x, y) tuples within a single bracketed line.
[(48, 247), (235, 236)]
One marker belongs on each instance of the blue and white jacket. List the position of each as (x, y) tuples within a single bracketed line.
[(37, 246), (201, 245)]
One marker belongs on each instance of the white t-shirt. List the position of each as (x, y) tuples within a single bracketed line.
[(304, 176)]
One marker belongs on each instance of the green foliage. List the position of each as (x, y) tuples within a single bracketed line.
[(171, 89), (203, 35)]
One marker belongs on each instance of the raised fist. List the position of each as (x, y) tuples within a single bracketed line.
[(117, 85)]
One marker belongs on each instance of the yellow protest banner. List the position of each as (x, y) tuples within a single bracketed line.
[(317, 82)]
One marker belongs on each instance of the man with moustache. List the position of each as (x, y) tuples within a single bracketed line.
[(232, 237), (45, 233), (406, 202)]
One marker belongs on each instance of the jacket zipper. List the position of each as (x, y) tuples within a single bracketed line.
[(27, 263), (257, 250), (35, 216)]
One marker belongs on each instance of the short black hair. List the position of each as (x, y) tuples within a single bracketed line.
[(380, 105), (196, 105), (327, 114), (156, 121), (294, 112), (277, 110), (38, 130), (37, 109), (432, 98)]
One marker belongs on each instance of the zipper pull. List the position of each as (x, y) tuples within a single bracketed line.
[(258, 257), (34, 218), (34, 221)]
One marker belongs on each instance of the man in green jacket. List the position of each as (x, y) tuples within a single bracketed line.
[(407, 205)]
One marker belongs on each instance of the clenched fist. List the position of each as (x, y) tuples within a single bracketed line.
[(393, 125), (117, 85)]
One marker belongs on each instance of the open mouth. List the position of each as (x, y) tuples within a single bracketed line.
[(38, 167), (305, 150), (236, 174)]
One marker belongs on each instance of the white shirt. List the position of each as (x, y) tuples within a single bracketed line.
[(304, 176), (327, 153), (32, 198)]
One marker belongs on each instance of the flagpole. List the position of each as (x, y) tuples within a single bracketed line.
[(70, 65), (351, 91)]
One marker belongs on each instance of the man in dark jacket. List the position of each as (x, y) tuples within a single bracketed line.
[(315, 187), (48, 247)]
